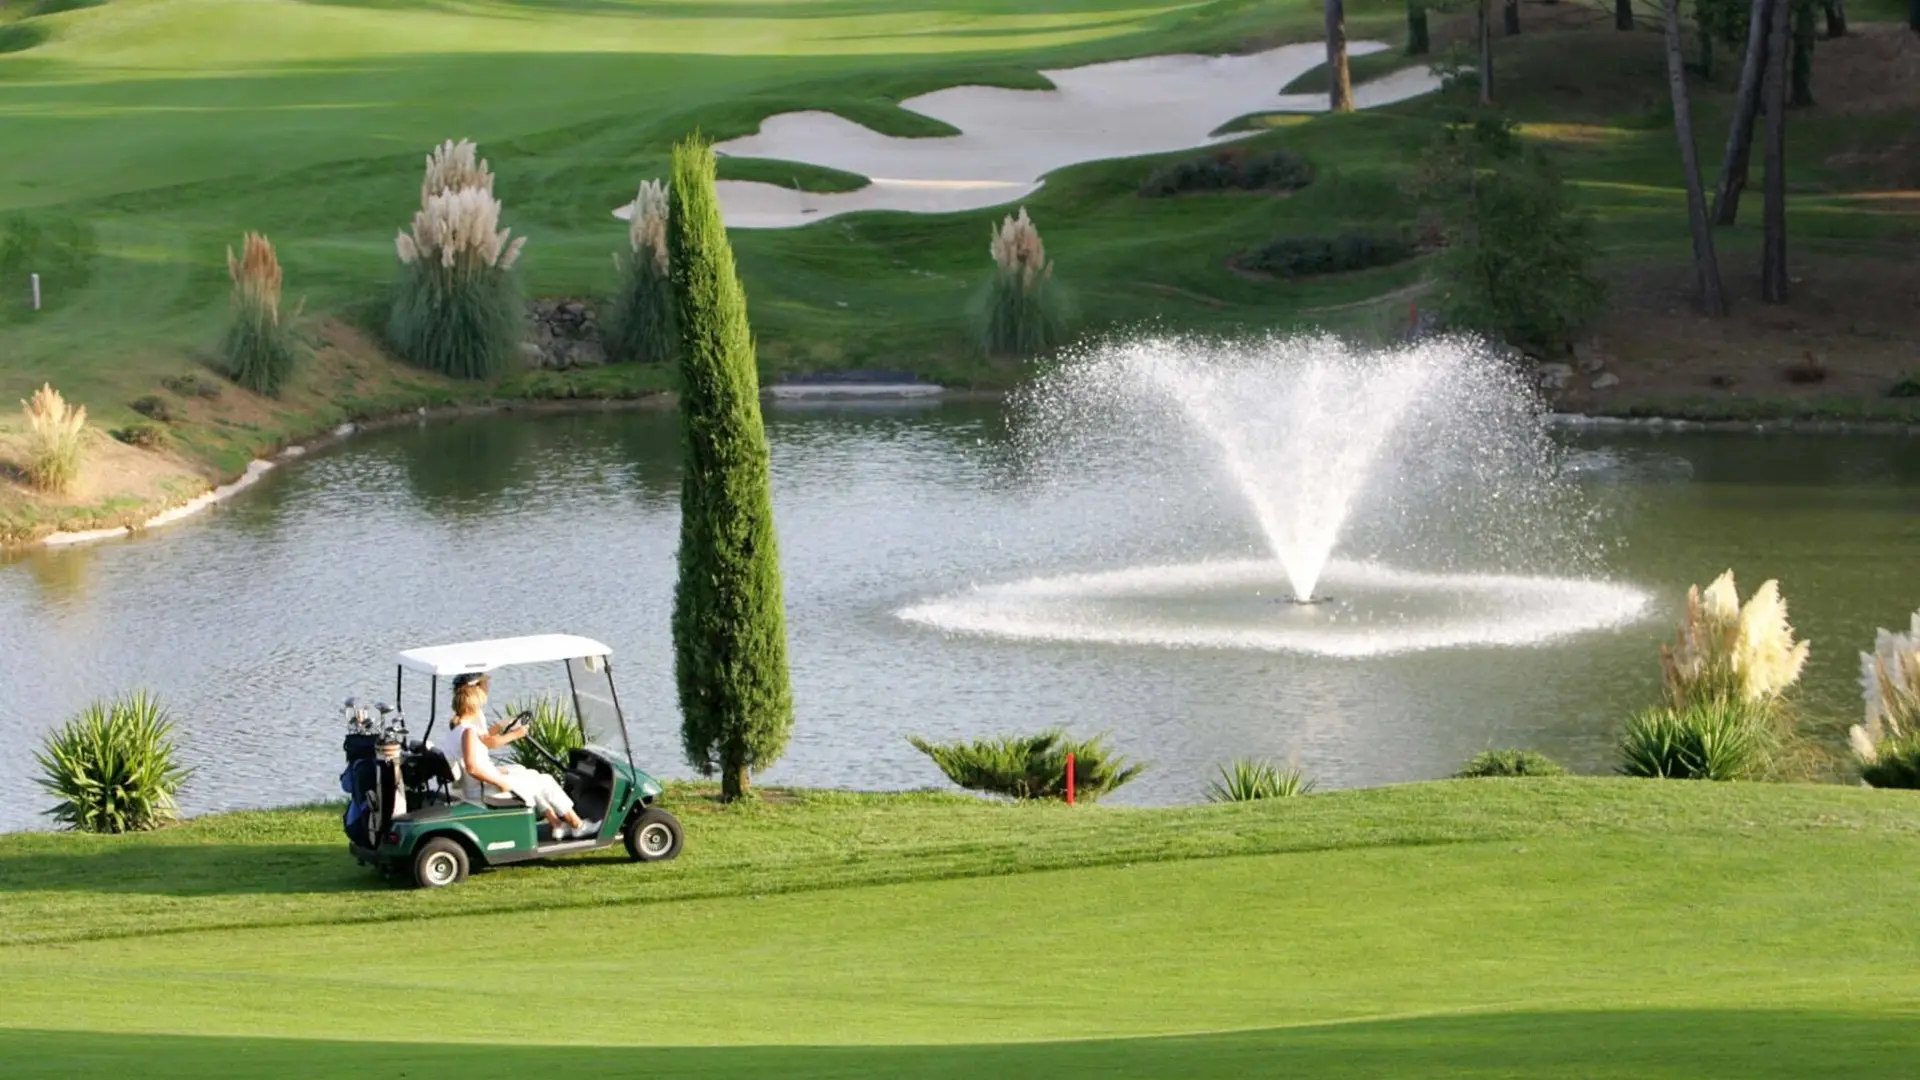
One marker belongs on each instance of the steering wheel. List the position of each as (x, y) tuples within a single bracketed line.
[(518, 722)]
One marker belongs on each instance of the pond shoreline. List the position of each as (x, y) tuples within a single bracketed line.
[(811, 394)]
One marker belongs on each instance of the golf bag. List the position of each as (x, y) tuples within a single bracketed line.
[(375, 791)]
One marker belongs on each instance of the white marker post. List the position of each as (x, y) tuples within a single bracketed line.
[(36, 291)]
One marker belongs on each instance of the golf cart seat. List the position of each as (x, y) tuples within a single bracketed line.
[(439, 769)]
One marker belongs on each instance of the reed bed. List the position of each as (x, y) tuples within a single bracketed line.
[(457, 308), (641, 329), (259, 349), (1023, 311), (56, 440)]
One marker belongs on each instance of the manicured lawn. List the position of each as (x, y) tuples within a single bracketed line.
[(1577, 928)]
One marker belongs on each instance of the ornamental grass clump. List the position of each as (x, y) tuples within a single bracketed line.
[(1724, 717), (113, 767), (56, 440), (1886, 744), (1247, 779), (258, 349), (1509, 763), (641, 330), (457, 307), (1022, 312), (552, 729), (1026, 767)]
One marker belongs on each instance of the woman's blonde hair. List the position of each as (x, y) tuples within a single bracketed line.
[(467, 699)]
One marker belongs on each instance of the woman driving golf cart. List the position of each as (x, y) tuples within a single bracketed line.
[(466, 743)]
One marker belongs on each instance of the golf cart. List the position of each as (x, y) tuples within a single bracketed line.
[(406, 813)]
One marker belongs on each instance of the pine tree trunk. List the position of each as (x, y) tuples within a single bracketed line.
[(735, 782), (1339, 79), (1773, 265), (1706, 265), (1511, 13), (1802, 54), (1623, 14), (1733, 167), (1419, 41), (729, 617), (1485, 30), (1836, 18)]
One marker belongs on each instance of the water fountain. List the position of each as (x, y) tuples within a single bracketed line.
[(1432, 455)]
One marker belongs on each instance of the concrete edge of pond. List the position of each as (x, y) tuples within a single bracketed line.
[(829, 393)]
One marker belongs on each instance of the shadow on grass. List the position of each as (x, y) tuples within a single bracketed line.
[(1642, 1045), (187, 870)]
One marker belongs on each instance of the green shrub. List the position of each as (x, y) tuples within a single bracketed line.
[(1718, 739), (729, 608), (1305, 256), (1246, 779), (1908, 386), (552, 729), (258, 350), (641, 327), (1517, 249), (457, 308), (153, 407), (1232, 169), (1510, 763), (145, 434), (55, 7), (1021, 311), (191, 385), (1031, 766), (113, 767)]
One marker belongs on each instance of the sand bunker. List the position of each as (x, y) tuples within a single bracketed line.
[(1011, 138)]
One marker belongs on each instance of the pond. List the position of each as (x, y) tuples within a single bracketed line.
[(254, 621)]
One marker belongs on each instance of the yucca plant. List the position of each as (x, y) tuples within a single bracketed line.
[(1715, 739), (1727, 651), (456, 310), (113, 767), (1022, 311), (1509, 762), (552, 729), (258, 349), (1031, 766), (56, 440), (1886, 744), (1246, 779), (641, 329)]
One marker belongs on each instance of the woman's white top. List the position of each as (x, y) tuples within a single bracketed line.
[(453, 745)]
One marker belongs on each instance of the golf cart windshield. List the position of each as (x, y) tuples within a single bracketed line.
[(599, 709)]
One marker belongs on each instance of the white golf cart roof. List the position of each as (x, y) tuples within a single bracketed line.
[(501, 652)]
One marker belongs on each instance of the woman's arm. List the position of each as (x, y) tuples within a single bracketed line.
[(478, 764)]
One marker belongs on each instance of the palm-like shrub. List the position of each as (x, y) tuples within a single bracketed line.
[(113, 767), (1886, 744), (552, 729), (1714, 739), (1510, 762), (258, 348), (456, 310), (56, 440), (641, 329), (1022, 312), (1729, 652), (1031, 766), (1246, 779)]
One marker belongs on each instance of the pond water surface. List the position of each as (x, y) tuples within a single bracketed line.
[(252, 622)]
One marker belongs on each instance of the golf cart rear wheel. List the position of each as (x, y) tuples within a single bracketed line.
[(439, 862), (653, 835)]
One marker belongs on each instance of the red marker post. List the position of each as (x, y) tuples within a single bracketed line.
[(1069, 778)]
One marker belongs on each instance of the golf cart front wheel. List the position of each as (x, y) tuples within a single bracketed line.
[(653, 835), (439, 862)]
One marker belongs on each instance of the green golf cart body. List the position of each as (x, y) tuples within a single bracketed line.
[(437, 834)]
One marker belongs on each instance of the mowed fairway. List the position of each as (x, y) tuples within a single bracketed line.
[(1717, 933)]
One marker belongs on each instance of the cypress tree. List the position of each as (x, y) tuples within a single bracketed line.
[(729, 619)]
